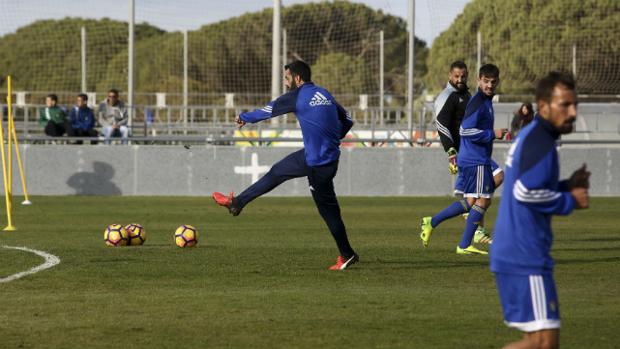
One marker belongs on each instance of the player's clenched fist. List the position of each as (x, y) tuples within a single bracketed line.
[(240, 123), (581, 196), (580, 178), (500, 133)]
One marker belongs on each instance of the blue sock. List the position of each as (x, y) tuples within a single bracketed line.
[(457, 208), (473, 220)]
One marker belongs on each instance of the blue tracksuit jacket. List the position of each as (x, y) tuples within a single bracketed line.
[(476, 132), (532, 195), (323, 121)]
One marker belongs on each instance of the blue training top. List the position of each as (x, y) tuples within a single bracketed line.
[(476, 132), (532, 195), (323, 121)]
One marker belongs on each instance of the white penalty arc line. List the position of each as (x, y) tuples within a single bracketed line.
[(50, 261)]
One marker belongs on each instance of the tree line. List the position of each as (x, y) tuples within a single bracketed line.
[(340, 40)]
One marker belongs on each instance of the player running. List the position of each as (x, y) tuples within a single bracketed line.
[(520, 255), (475, 176), (449, 110), (323, 124)]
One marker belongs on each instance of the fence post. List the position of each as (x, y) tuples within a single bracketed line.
[(276, 66), (381, 75), (83, 32), (478, 52), (575, 60), (130, 54), (185, 80), (410, 64)]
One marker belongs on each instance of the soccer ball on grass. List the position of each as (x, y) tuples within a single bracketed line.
[(115, 235), (186, 236), (136, 234)]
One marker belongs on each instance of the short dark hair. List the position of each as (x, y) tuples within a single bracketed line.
[(458, 64), (84, 96), (53, 97), (113, 90), (545, 86), (489, 70), (301, 69)]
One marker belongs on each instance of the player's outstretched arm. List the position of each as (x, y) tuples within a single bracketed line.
[(256, 115), (282, 105)]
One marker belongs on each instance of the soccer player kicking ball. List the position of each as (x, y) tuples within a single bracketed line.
[(475, 176), (520, 254), (323, 124), (450, 108)]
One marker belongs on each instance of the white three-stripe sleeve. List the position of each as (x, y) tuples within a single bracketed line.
[(258, 114), (523, 194), (443, 130), (469, 131)]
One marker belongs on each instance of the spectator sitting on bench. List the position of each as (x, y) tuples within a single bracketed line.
[(52, 118), (82, 119), (113, 117)]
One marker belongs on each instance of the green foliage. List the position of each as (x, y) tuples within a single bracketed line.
[(343, 74), (224, 59), (528, 38), (228, 56), (45, 56)]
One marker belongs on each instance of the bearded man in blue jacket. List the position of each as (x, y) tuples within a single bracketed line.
[(533, 194), (323, 124)]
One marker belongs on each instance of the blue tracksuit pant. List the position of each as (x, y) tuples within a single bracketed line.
[(321, 180)]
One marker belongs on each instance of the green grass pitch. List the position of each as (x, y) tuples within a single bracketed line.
[(260, 280)]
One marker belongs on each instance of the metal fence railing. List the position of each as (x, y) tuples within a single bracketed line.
[(597, 121)]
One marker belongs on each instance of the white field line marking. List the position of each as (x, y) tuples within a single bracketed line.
[(50, 261)]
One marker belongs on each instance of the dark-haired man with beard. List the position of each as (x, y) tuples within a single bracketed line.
[(533, 194), (450, 107), (323, 124)]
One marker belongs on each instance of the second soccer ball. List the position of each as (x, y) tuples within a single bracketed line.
[(186, 236), (136, 234)]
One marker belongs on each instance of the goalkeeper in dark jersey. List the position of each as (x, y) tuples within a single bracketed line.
[(449, 110)]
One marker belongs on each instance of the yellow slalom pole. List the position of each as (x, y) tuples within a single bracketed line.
[(7, 190), (9, 152), (19, 164)]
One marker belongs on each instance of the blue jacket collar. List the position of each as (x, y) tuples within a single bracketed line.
[(547, 126), (484, 95), (309, 83)]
